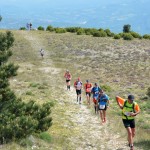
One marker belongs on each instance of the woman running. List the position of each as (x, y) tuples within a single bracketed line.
[(103, 104), (68, 78)]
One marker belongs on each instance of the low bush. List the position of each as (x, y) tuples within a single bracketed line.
[(117, 36), (80, 32), (60, 30), (148, 92), (41, 28), (50, 28), (72, 29), (100, 34), (146, 36), (127, 36), (135, 35), (22, 28)]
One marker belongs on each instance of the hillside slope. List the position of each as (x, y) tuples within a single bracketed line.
[(122, 65)]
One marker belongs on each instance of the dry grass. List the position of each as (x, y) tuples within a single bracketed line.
[(122, 65)]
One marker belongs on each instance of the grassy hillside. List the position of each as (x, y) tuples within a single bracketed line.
[(122, 66)]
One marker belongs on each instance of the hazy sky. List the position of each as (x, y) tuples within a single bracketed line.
[(111, 14)]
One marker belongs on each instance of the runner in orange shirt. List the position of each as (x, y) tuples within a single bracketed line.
[(88, 88)]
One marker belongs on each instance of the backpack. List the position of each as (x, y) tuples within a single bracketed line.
[(129, 107)]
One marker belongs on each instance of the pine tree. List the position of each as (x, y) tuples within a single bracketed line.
[(17, 118), (126, 28)]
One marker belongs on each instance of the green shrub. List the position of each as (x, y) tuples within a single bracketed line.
[(108, 32), (41, 28), (50, 28), (146, 36), (90, 31), (96, 34), (117, 36), (22, 28), (135, 35), (45, 136), (148, 92), (72, 29), (60, 30), (122, 34), (100, 34), (100, 29), (127, 36), (80, 32)]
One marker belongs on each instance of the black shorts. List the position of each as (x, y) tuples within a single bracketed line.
[(87, 93), (67, 80), (78, 92), (129, 123)]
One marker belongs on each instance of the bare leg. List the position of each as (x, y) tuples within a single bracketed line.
[(68, 85), (131, 133), (104, 115), (88, 99), (80, 99), (101, 115)]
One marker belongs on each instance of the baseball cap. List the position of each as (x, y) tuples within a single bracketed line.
[(87, 80), (131, 97)]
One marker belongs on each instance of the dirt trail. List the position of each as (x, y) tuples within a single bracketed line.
[(92, 135), (89, 133)]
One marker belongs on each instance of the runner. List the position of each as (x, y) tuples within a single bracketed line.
[(103, 104), (95, 91), (129, 110), (42, 53), (78, 87), (68, 78), (87, 88)]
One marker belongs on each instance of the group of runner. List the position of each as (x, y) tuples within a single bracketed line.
[(101, 101)]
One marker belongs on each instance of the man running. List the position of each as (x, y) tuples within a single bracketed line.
[(87, 88), (68, 78), (95, 91), (103, 104), (129, 110), (78, 87)]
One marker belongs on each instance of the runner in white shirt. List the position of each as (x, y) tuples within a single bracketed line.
[(78, 87)]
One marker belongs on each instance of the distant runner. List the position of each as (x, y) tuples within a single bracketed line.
[(129, 110), (103, 104), (88, 88), (78, 87), (42, 53), (95, 91), (68, 78)]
